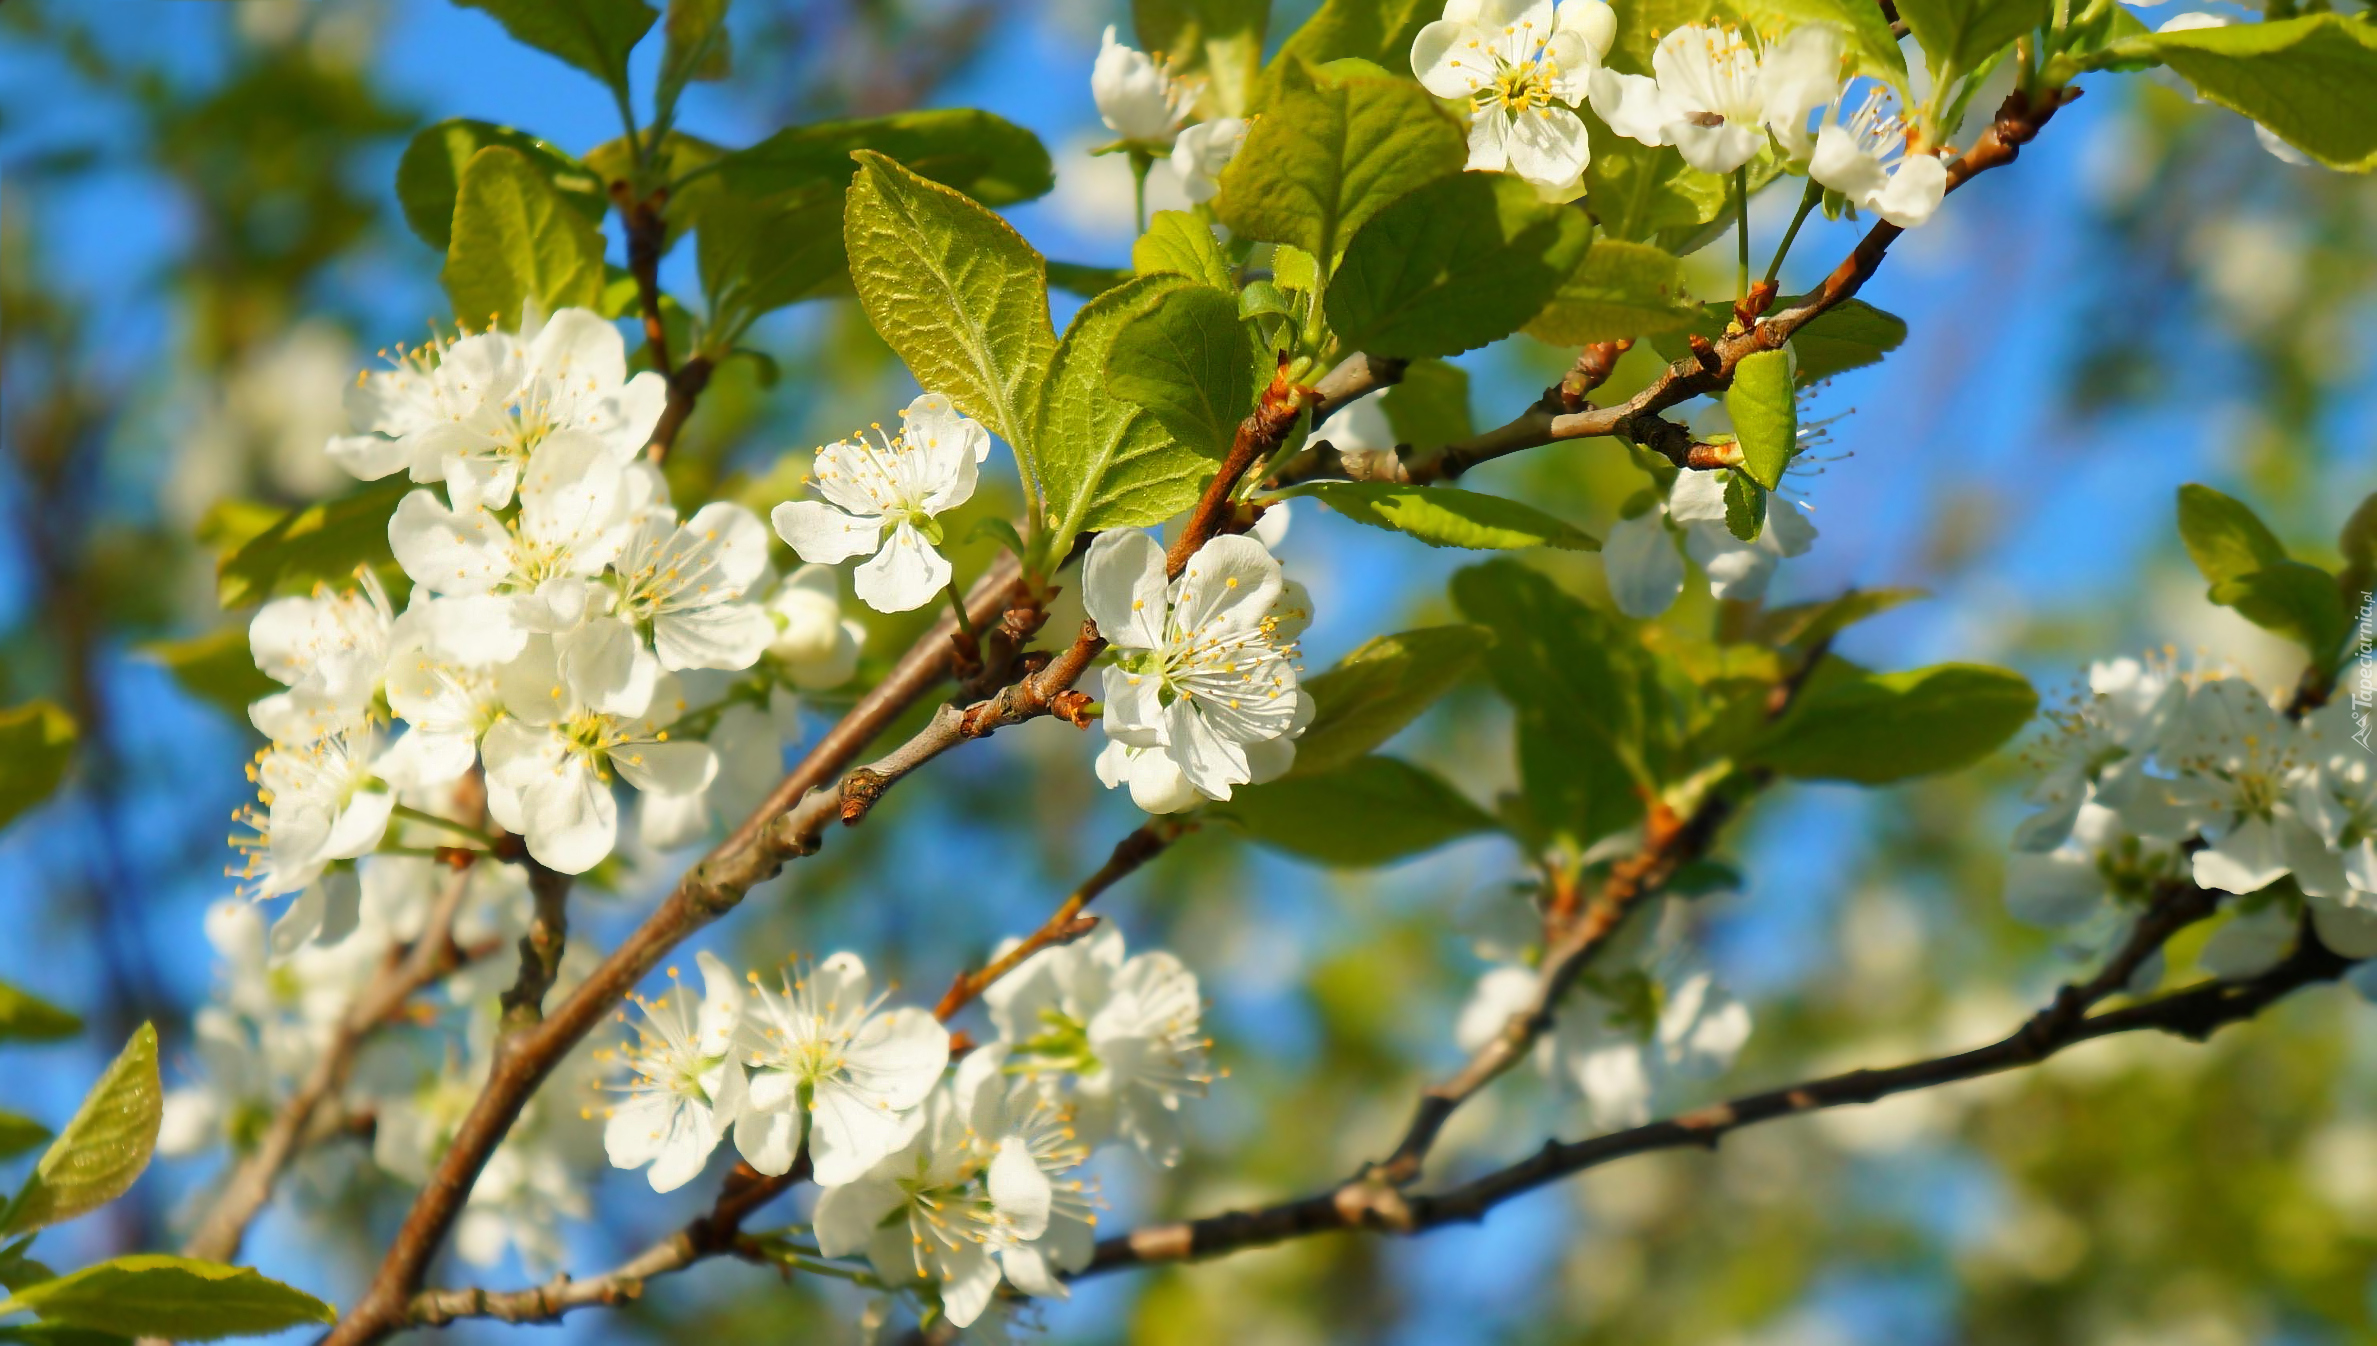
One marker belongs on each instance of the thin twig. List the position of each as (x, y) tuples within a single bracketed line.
[(1066, 923)]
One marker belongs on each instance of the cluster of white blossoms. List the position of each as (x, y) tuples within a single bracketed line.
[(2155, 775), (562, 625), (1647, 1019), (945, 1180), (1139, 100)]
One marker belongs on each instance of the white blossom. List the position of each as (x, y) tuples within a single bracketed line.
[(926, 1212), (825, 1064), (1639, 558), (1030, 1150), (329, 650), (1137, 97), (1204, 665), (322, 801), (1201, 152), (686, 1087), (1713, 97), (815, 643), (1118, 1037), (1522, 68), (551, 759), (2240, 761), (881, 496), (1865, 158), (473, 412)]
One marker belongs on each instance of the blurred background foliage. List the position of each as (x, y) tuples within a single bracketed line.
[(199, 246)]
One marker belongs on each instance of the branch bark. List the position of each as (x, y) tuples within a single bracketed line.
[(2195, 1014)]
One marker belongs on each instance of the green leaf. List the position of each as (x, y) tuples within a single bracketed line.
[(1181, 244), (1453, 265), (430, 174), (1620, 291), (756, 256), (319, 543), (103, 1148), (955, 291), (1870, 45), (1963, 33), (36, 746), (1765, 415), (593, 35), (1638, 192), (981, 155), (1378, 689), (158, 1295), (1105, 461), (1377, 31), (217, 668), (1745, 506), (28, 1018), (1191, 363), (1805, 625), (2300, 602), (2358, 543), (1331, 153), (1292, 268), (1371, 811), (1446, 516), (19, 1134), (1429, 404), (697, 47), (47, 1334), (1594, 723), (515, 239), (2308, 79), (1219, 42), (1874, 728), (1086, 281), (2224, 536)]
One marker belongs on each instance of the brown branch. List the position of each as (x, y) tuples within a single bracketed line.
[(1067, 923), (1258, 436), (2194, 1013), (1709, 370), (540, 948), (431, 957)]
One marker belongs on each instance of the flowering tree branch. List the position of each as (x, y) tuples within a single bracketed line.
[(2194, 1013), (430, 959)]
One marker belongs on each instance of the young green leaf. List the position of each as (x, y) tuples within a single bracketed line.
[(314, 543), (36, 746), (756, 256), (1640, 192), (1430, 405), (1765, 415), (2308, 79), (1106, 461), (1331, 153), (955, 291), (29, 1018), (1214, 46), (1183, 245), (1455, 264), (19, 1134), (1874, 728), (1621, 291), (1804, 625), (2300, 602), (1745, 507), (982, 155), (1446, 516), (1850, 335), (103, 1148), (181, 1298), (1378, 689), (1190, 362), (1371, 811), (217, 668), (683, 163), (515, 240), (429, 175), (2358, 543), (1964, 33), (2223, 535), (1377, 31), (697, 47), (593, 35)]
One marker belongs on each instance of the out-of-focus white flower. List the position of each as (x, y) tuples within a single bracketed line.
[(1137, 97), (1201, 152), (881, 496), (1713, 97), (2240, 761), (322, 801), (329, 650), (1639, 557), (817, 645)]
